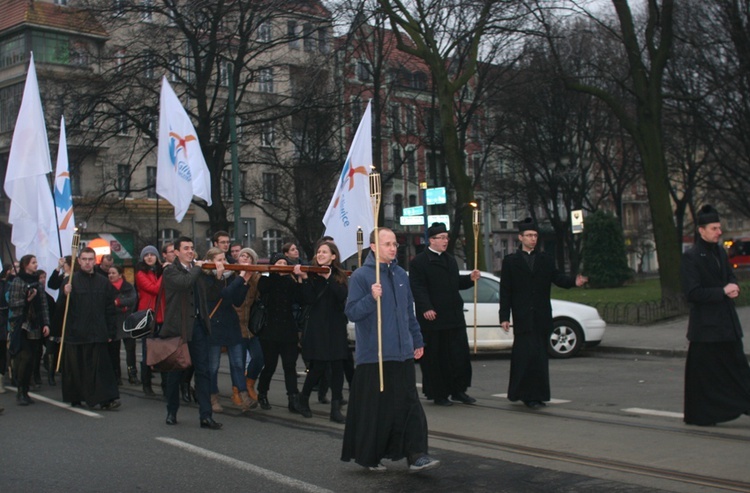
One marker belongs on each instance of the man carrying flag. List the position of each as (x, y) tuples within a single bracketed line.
[(181, 170)]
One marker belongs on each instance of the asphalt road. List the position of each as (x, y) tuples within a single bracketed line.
[(614, 425)]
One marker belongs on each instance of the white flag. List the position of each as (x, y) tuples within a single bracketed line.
[(350, 207), (32, 212), (181, 170), (66, 223)]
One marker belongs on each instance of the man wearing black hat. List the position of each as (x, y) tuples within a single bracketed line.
[(525, 282), (435, 284), (717, 375)]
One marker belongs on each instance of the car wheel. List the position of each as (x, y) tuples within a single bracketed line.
[(566, 338)]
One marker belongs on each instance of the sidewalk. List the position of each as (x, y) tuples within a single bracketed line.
[(664, 338)]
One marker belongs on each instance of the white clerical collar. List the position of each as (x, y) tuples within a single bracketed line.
[(433, 251)]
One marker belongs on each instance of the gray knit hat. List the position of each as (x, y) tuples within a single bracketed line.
[(149, 249)]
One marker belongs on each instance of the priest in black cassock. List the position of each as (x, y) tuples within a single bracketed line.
[(717, 374), (526, 279), (87, 373)]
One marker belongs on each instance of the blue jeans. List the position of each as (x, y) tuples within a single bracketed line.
[(236, 355), (199, 355), (255, 364)]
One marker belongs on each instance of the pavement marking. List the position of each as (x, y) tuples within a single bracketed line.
[(653, 412), (244, 466), (59, 404), (551, 401)]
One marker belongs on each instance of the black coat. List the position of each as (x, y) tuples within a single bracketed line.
[(91, 311), (279, 294), (128, 300), (324, 338), (705, 271), (526, 292), (435, 284)]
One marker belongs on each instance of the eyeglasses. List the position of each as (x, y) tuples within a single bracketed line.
[(441, 237)]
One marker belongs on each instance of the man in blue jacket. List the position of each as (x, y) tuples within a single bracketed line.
[(390, 424)]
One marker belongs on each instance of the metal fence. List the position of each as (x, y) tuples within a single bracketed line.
[(647, 312)]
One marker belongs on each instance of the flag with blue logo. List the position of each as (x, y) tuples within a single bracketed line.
[(350, 206), (66, 223)]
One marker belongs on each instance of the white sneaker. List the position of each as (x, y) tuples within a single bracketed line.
[(379, 468)]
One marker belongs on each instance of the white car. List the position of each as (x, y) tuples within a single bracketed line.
[(574, 325)]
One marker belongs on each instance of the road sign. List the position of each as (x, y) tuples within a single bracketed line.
[(411, 220), (414, 211), (435, 196)]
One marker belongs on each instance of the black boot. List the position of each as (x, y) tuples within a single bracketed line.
[(263, 400), (185, 391), (19, 397), (146, 374), (336, 415), (24, 399), (292, 399), (133, 375), (302, 405), (51, 363)]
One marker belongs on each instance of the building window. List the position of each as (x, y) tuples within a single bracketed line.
[(435, 168), (411, 164), (270, 187), (50, 48), (363, 71), (167, 236), (151, 182), (273, 240), (264, 32), (323, 40), (265, 80), (224, 70), (123, 180), (149, 65), (398, 206), (119, 60), (227, 184), (122, 125), (74, 168), (356, 111), (267, 135), (291, 34), (10, 103), (396, 162), (309, 40), (174, 67), (395, 117), (118, 7), (12, 51), (413, 200), (410, 120), (476, 162)]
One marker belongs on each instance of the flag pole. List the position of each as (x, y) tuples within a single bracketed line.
[(57, 219), (475, 222), (375, 199), (360, 241)]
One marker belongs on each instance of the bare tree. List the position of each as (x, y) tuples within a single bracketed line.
[(271, 53), (645, 41)]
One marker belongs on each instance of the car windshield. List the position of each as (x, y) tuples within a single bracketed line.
[(488, 291)]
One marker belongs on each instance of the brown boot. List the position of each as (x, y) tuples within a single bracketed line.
[(248, 403), (236, 399), (251, 389), (215, 405)]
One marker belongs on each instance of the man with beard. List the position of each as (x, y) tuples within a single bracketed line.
[(87, 373), (526, 279), (717, 375)]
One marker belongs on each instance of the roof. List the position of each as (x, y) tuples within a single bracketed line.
[(19, 12)]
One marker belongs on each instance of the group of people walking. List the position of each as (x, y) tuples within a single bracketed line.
[(399, 320)]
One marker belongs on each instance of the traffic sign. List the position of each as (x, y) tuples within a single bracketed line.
[(411, 220), (435, 196), (414, 211)]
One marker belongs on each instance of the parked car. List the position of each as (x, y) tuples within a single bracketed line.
[(574, 325)]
